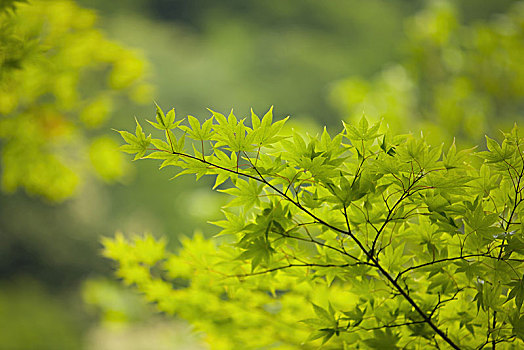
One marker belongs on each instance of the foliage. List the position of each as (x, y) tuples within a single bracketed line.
[(266, 52), (362, 240), (59, 78), (8, 5), (32, 318), (454, 77), (129, 323)]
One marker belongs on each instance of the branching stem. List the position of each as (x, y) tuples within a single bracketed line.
[(373, 260)]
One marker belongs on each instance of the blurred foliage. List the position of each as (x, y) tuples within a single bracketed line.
[(245, 54), (6, 5), (59, 81), (455, 80), (129, 323), (32, 318), (257, 313), (157, 333), (116, 305)]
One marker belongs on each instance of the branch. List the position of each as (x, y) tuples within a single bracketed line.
[(370, 256), (464, 257), (290, 266), (386, 326), (404, 195), (508, 224), (440, 302)]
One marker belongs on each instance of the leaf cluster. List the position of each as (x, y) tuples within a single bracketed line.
[(367, 238)]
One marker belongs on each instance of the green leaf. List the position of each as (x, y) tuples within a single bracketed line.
[(194, 165), (148, 250), (117, 248), (137, 143), (165, 122), (488, 296), (161, 145), (232, 133), (362, 132), (196, 131), (383, 340), (257, 251), (517, 292), (483, 223), (496, 153), (324, 314), (356, 315), (265, 132), (168, 157), (317, 335), (246, 193), (518, 327), (232, 225)]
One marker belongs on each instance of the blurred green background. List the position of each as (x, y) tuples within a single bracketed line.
[(70, 72)]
